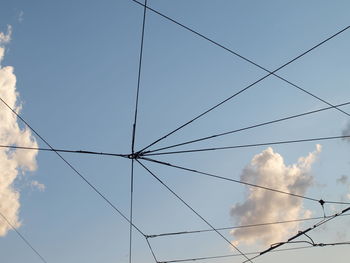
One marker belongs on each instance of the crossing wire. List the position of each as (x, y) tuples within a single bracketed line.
[(191, 208), (98, 192), (249, 86)]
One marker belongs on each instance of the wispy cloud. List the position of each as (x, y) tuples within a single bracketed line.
[(21, 16), (268, 169), (346, 131), (12, 162)]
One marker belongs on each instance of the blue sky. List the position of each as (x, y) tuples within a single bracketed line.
[(76, 64)]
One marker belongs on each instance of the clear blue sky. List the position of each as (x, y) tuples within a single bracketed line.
[(76, 64)]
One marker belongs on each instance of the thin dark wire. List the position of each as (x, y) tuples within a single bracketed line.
[(239, 182), (134, 130), (194, 211), (249, 86), (237, 227), (245, 128), (300, 233), (152, 251), (23, 238), (243, 57), (74, 169), (249, 145), (63, 150), (253, 253)]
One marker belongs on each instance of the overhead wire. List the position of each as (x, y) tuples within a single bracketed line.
[(245, 128), (241, 182), (237, 227), (192, 209), (25, 240), (134, 132), (73, 168), (248, 145), (247, 87)]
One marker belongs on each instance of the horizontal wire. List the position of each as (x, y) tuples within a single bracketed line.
[(248, 145), (192, 209), (63, 150), (247, 87), (237, 227), (245, 128), (240, 182), (98, 192)]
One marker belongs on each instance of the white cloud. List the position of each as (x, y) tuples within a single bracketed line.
[(41, 187), (12, 162), (20, 16), (268, 169)]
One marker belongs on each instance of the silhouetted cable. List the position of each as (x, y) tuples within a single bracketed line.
[(152, 251), (249, 145), (74, 169), (245, 58), (63, 150), (240, 182), (249, 86), (194, 211), (23, 238), (238, 227), (245, 128), (134, 130), (300, 233)]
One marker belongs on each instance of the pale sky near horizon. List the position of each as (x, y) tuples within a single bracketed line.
[(76, 63)]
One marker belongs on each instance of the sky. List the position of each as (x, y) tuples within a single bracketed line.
[(70, 69)]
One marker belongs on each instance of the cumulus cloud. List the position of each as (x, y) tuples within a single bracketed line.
[(268, 169), (12, 162), (346, 132)]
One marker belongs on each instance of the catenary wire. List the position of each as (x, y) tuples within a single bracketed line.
[(240, 182), (23, 238), (243, 57), (194, 211), (64, 150), (249, 86), (73, 168), (237, 227), (134, 131), (246, 128), (249, 145), (300, 233)]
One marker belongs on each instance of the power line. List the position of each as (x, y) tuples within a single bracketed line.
[(64, 150), (23, 238), (194, 211), (241, 182), (238, 227), (249, 145), (300, 233), (134, 132), (247, 87), (245, 128), (245, 58), (74, 169)]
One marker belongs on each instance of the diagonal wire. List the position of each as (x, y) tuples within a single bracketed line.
[(240, 182), (239, 55), (238, 227), (23, 238), (194, 211), (249, 145), (63, 150), (246, 128), (73, 168), (300, 233), (248, 60)]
